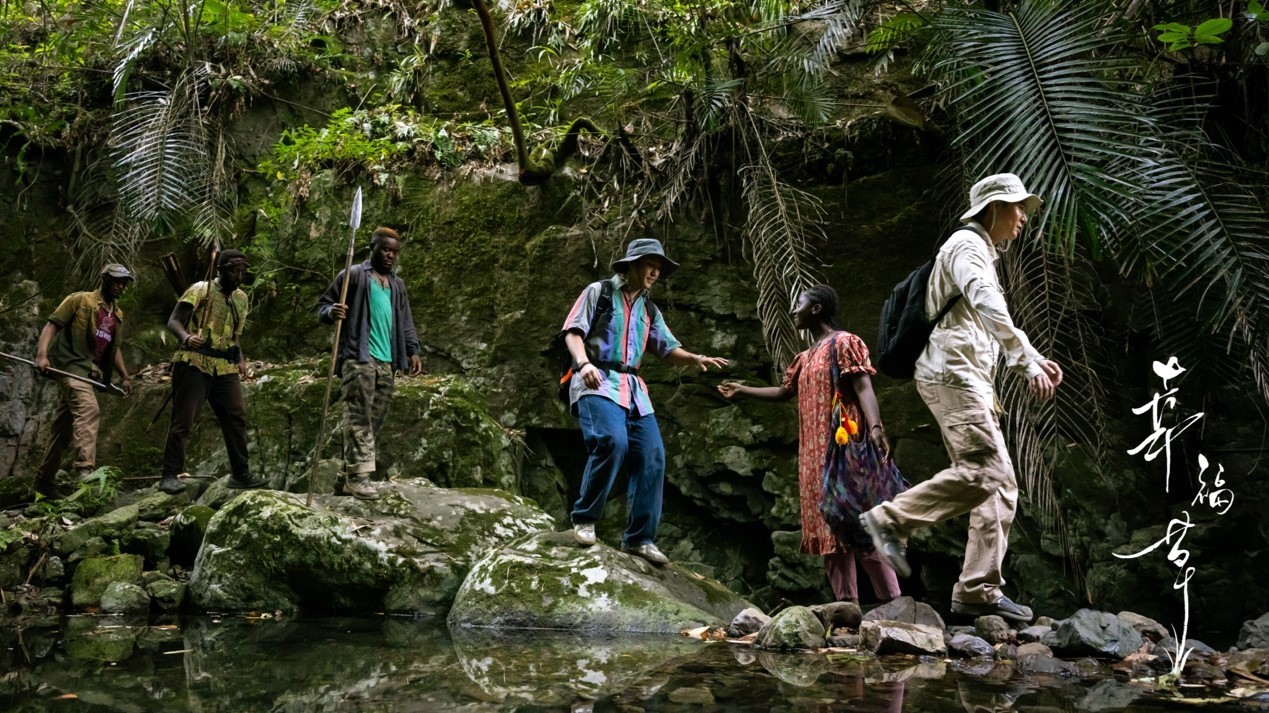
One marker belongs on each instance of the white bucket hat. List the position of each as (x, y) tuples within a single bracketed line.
[(1000, 187)]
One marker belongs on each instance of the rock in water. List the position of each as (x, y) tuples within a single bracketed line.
[(792, 628), (547, 581), (1093, 633), (898, 637), (406, 552)]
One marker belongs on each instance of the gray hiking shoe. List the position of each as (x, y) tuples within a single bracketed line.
[(1003, 607), (584, 534), (887, 544), (360, 487), (172, 485), (649, 552)]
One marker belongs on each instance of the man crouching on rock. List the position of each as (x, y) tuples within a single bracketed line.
[(209, 368), (377, 340), (607, 338)]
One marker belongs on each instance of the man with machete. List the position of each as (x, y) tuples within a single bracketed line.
[(378, 340), (208, 368), (81, 338)]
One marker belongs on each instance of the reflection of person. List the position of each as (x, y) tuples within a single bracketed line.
[(81, 337), (954, 377), (611, 401), (208, 368), (378, 339), (809, 377)]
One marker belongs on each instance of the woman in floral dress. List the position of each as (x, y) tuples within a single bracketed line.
[(809, 377)]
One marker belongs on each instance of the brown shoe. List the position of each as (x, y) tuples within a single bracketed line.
[(360, 487)]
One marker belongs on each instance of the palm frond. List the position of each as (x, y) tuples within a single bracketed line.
[(782, 225), (132, 49), (1034, 93)]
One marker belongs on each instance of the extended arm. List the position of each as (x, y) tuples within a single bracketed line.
[(731, 389), (41, 349), (682, 357)]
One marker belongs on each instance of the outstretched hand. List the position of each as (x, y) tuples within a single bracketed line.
[(705, 362), (729, 388)]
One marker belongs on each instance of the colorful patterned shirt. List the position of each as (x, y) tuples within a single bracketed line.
[(75, 346), (630, 333), (217, 318)]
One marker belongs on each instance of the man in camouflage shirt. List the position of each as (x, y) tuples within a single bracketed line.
[(208, 368)]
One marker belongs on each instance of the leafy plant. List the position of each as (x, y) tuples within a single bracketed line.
[(1179, 37)]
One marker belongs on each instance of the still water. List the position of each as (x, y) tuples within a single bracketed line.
[(378, 664)]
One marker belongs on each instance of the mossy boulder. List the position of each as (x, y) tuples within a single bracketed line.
[(112, 524), (547, 581), (94, 574), (406, 552), (124, 598), (792, 628)]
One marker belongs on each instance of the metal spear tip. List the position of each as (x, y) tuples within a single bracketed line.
[(354, 220)]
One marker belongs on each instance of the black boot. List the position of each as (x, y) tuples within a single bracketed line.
[(172, 485), (251, 483)]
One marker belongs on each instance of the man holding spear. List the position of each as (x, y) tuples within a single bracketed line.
[(378, 339), (80, 344), (208, 368)]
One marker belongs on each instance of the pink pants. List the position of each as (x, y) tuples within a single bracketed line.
[(841, 574)]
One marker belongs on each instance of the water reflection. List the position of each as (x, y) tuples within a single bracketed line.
[(237, 664)]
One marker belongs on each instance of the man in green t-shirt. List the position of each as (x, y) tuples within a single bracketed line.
[(378, 339), (81, 337), (208, 368)]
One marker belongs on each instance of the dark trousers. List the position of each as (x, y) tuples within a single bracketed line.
[(620, 441), (192, 388)]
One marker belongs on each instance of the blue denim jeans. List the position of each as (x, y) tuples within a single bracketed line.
[(619, 440)]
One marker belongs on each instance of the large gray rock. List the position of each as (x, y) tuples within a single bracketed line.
[(1147, 627), (124, 598), (899, 637), (113, 524), (406, 552), (547, 581), (838, 614), (1255, 633), (747, 622), (1093, 633), (992, 629), (908, 610), (966, 646), (792, 628)]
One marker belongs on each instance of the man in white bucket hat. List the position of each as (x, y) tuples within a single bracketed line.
[(954, 376)]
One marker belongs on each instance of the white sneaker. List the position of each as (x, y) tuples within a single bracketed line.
[(584, 534), (649, 552)]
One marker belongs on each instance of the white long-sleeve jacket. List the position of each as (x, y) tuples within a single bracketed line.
[(965, 345)]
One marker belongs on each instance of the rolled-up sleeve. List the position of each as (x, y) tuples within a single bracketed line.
[(973, 272), (660, 339), (583, 311)]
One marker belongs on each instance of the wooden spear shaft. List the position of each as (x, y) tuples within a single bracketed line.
[(354, 222)]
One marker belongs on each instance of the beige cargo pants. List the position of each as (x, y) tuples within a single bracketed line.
[(980, 482), (76, 419)]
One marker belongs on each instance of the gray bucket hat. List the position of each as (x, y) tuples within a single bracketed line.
[(1000, 187), (116, 270), (643, 247)]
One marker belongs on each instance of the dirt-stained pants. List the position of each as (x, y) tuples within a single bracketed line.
[(367, 393), (980, 482), (75, 422), (840, 567)]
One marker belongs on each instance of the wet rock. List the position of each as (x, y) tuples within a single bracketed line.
[(1033, 649), (1037, 662), (960, 629), (53, 572), (748, 621), (692, 695), (1254, 633), (94, 547), (796, 670), (838, 614), (546, 581), (1199, 671), (1032, 633), (86, 641), (93, 575), (188, 529), (167, 593), (1093, 633), (992, 629), (966, 646), (113, 523), (898, 637), (1046, 621), (907, 610), (159, 505), (1006, 651), (1109, 695), (1252, 662), (1147, 627), (1198, 647), (124, 598), (792, 628), (148, 540), (846, 641), (406, 552)]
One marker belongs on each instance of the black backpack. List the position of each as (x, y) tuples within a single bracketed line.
[(904, 330), (558, 351)]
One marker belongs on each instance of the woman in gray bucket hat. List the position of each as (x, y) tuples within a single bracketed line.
[(955, 377)]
